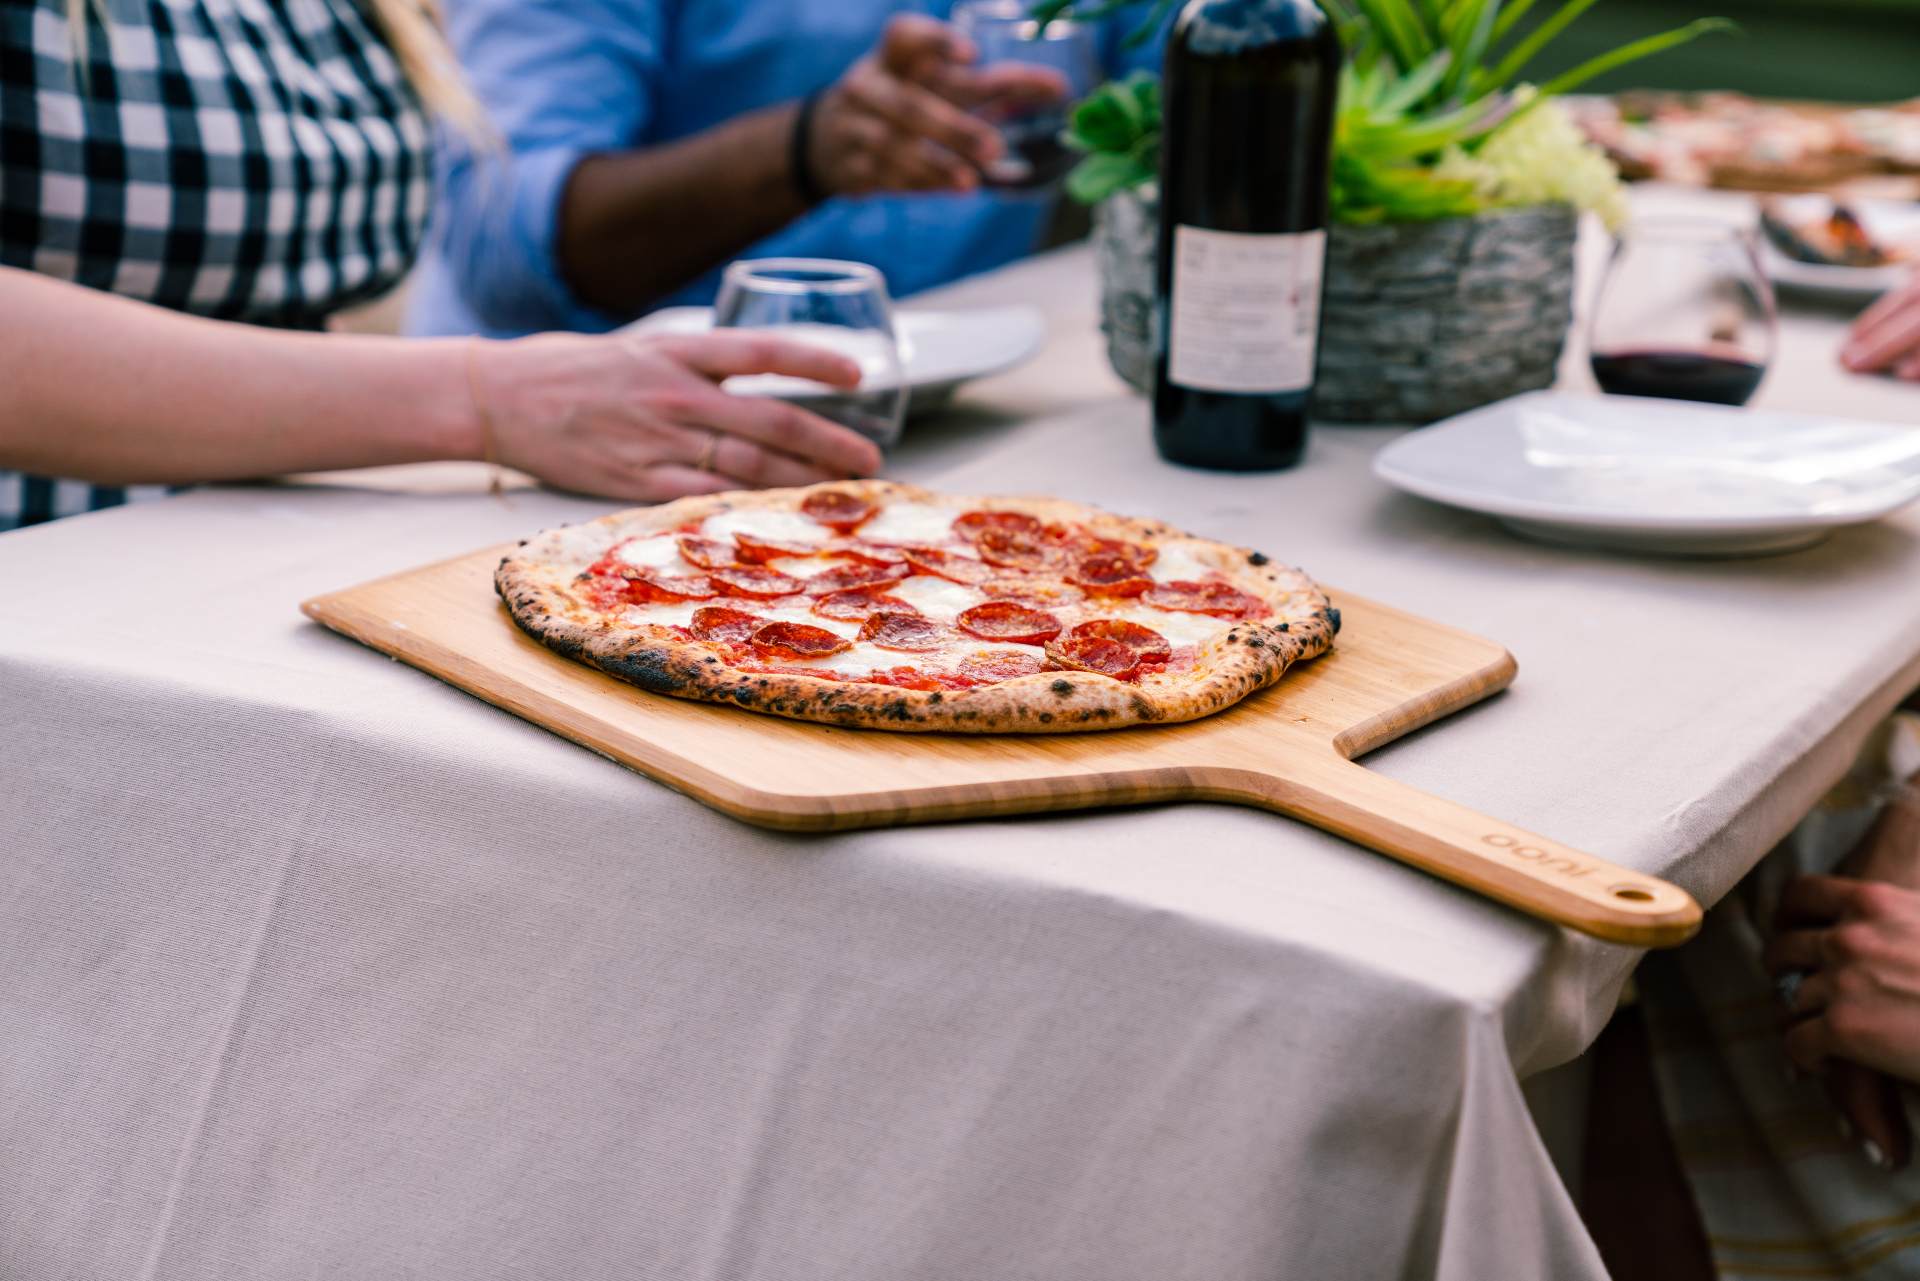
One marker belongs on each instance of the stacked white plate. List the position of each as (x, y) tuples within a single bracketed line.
[(1662, 476), (939, 350)]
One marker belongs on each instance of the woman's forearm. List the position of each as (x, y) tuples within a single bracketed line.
[(102, 389), (636, 225)]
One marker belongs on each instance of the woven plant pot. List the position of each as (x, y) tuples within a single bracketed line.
[(1422, 320)]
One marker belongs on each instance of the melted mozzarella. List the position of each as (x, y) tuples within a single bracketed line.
[(801, 614), (802, 566), (661, 552), (1181, 561), (663, 614), (909, 523), (864, 658), (761, 522), (1180, 628), (937, 598)]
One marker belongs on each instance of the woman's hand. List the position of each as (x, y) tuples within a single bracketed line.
[(1887, 338), (643, 417), (1858, 943), (898, 119)]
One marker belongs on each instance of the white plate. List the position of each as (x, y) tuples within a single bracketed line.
[(939, 350), (1883, 219), (1663, 476)]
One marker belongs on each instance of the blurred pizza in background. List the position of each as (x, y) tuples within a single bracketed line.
[(1750, 144)]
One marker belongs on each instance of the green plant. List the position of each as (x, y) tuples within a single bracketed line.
[(1427, 84)]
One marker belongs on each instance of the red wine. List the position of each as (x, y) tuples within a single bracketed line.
[(1248, 104), (1716, 377), (1035, 156)]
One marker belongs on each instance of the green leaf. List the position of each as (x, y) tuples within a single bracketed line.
[(1524, 52), (1413, 88), (1400, 29), (1100, 176), (1118, 116), (1639, 49), (1515, 11), (1150, 26), (1468, 41)]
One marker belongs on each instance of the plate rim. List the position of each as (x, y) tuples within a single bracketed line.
[(937, 380), (1386, 468)]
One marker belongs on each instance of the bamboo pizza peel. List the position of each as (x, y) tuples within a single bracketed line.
[(1290, 749)]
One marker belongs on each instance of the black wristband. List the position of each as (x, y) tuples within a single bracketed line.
[(797, 147)]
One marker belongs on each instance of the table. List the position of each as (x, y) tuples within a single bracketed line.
[(319, 968)]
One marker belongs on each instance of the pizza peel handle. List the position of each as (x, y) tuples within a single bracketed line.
[(1538, 876)]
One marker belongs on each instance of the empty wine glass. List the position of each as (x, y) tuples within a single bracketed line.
[(842, 306), (1685, 313), (1035, 156)]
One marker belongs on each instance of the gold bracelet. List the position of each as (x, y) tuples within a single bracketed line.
[(488, 449)]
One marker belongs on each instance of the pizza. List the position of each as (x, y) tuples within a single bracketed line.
[(882, 606)]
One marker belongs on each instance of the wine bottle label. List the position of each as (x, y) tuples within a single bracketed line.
[(1246, 310)]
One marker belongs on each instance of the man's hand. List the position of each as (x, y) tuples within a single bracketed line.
[(899, 120), (1887, 338), (1858, 943)]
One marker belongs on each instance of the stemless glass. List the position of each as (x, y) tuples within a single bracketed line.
[(842, 306), (1685, 313), (1036, 156)]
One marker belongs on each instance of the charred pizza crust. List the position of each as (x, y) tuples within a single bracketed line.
[(537, 584)]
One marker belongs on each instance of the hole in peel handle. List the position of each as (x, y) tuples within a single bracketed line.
[(1518, 868)]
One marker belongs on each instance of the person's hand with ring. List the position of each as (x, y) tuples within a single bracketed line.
[(644, 418)]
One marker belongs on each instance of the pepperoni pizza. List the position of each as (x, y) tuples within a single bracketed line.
[(882, 606)]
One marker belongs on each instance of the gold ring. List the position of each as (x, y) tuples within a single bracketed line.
[(705, 461)]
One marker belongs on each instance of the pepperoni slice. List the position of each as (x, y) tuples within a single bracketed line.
[(645, 584), (869, 553), (796, 640), (1148, 645), (971, 525), (857, 604), (1002, 620), (723, 625), (838, 509), (1019, 549), (1218, 599), (954, 568), (911, 633), (756, 581), (992, 666), (1138, 554), (1093, 654), (761, 550), (1105, 575), (707, 553), (842, 577), (1041, 593)]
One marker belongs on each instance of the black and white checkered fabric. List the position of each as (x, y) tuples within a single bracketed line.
[(253, 160)]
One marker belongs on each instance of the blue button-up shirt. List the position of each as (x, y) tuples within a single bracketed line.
[(563, 79)]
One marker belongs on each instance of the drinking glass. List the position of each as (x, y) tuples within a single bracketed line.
[(1685, 313), (842, 306), (1035, 156)]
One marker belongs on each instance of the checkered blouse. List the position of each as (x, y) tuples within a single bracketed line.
[(253, 160)]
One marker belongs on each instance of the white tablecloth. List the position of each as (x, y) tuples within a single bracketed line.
[(315, 967)]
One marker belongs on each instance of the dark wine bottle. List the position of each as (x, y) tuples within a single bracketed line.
[(1249, 103)]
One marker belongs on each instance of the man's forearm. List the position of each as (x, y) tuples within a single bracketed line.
[(103, 389), (636, 225)]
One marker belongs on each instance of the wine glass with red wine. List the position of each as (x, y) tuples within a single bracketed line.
[(1685, 313), (1036, 154)]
